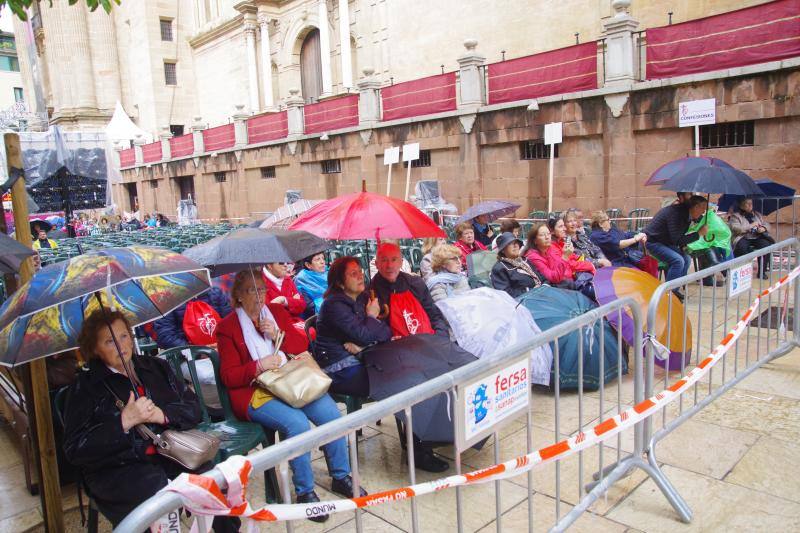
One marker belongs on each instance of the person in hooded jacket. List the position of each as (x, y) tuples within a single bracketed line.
[(512, 273)]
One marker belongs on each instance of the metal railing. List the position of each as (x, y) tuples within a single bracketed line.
[(716, 313), (571, 415)]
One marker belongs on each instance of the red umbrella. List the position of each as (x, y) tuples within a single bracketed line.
[(366, 215)]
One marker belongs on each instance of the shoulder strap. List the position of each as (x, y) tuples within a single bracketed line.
[(143, 430)]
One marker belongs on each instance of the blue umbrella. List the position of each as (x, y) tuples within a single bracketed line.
[(549, 307), (684, 164), (493, 208), (772, 190)]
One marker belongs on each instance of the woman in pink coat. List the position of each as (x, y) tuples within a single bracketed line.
[(559, 265)]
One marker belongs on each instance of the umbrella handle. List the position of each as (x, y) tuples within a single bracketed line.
[(116, 344)]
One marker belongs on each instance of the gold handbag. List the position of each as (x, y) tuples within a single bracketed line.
[(299, 382)]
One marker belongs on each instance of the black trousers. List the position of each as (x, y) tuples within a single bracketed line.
[(119, 490), (745, 246)]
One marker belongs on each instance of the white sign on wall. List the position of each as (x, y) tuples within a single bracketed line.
[(391, 155), (492, 399), (740, 279), (553, 132), (410, 152), (697, 112)]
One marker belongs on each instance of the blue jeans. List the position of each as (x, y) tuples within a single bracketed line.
[(289, 421), (677, 261)]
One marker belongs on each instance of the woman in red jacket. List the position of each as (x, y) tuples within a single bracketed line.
[(558, 264), (245, 340), (282, 291)]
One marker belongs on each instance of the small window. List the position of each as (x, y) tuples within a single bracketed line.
[(166, 30), (9, 64), (331, 166), (423, 161), (267, 173), (220, 177), (176, 130), (170, 76), (536, 150), (154, 184), (19, 96), (726, 135)]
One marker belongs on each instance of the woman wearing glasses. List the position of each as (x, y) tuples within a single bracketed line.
[(447, 279), (346, 324), (615, 244), (245, 340)]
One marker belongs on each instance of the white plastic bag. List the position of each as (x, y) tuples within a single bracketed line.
[(485, 321)]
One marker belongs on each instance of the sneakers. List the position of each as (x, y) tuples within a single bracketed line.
[(344, 487), (319, 513)]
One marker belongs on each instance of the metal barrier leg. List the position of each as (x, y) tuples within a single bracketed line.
[(353, 441)]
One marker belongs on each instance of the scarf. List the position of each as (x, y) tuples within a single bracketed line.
[(257, 344), (448, 279), (277, 281), (312, 284), (523, 266)]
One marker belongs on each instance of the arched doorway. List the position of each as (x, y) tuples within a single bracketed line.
[(311, 67)]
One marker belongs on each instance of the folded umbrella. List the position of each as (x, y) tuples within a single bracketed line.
[(45, 316), (12, 254), (612, 283), (254, 247), (549, 307), (492, 208), (396, 366)]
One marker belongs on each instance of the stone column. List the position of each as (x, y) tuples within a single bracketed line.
[(197, 136), (68, 44), (369, 99), (294, 112), (344, 41), (252, 69), (471, 76), (138, 142), (166, 149), (325, 49), (240, 127), (620, 64), (266, 61)]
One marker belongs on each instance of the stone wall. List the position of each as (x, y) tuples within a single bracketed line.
[(603, 161)]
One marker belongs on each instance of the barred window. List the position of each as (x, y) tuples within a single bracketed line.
[(423, 161), (166, 30), (154, 184), (170, 76), (220, 177), (331, 166), (267, 173), (536, 150), (726, 135)]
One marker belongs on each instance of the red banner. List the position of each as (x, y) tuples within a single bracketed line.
[(181, 146), (151, 152), (768, 32), (219, 138), (556, 72), (435, 94), (127, 158), (331, 114), (267, 127)]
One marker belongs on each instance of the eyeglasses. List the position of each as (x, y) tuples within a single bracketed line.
[(252, 291)]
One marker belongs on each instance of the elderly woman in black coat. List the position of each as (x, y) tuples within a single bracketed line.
[(121, 468), (346, 324), (512, 273)]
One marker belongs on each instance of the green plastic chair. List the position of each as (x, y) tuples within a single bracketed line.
[(538, 215), (637, 218), (237, 437)]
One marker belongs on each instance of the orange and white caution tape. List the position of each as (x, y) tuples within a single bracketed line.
[(201, 494)]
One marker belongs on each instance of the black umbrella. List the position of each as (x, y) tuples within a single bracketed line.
[(253, 247), (712, 177), (42, 224), (12, 254), (395, 366)]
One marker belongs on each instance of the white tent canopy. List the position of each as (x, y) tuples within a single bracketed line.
[(122, 128)]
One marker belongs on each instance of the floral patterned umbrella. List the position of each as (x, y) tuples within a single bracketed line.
[(45, 315)]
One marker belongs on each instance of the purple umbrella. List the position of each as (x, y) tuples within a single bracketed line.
[(493, 208)]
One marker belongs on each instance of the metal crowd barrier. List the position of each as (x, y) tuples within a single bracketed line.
[(715, 312), (576, 415)]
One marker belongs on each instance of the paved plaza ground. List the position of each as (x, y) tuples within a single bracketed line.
[(735, 463)]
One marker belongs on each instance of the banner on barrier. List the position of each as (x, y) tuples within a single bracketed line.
[(741, 279), (487, 402)]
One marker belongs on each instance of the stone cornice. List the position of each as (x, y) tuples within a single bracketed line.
[(216, 32)]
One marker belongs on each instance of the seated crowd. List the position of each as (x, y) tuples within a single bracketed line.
[(263, 319)]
